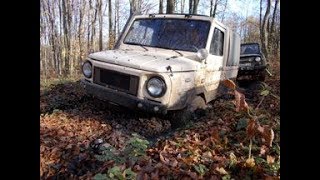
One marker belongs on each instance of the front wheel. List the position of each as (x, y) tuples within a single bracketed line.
[(186, 115)]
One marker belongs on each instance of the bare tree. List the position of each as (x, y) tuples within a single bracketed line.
[(264, 30)]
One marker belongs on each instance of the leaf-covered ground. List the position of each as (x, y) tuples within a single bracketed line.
[(84, 138)]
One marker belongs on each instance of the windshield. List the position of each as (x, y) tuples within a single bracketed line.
[(177, 34), (250, 49)]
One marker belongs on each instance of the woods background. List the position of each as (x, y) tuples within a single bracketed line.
[(70, 29)]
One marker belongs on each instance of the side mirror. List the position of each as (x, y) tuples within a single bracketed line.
[(202, 54), (91, 51)]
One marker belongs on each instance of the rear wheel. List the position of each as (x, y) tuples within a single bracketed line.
[(184, 116)]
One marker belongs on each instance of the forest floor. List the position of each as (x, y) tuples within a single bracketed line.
[(85, 138)]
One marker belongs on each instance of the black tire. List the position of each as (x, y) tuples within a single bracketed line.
[(186, 115)]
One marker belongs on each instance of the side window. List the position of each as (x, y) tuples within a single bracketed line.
[(216, 47)]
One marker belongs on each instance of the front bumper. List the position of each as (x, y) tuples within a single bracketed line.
[(251, 70), (251, 74), (123, 99)]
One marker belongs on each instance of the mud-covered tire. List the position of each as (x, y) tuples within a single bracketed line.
[(184, 116)]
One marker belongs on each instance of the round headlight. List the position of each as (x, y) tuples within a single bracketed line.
[(87, 69), (257, 59), (156, 87)]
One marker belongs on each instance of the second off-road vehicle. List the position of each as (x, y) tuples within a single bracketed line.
[(252, 63), (164, 62)]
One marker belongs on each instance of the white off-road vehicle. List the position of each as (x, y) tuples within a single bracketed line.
[(164, 62)]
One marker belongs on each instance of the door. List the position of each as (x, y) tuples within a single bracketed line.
[(214, 63)]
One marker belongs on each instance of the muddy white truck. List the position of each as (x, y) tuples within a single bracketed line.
[(165, 63)]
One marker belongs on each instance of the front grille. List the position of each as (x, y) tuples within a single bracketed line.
[(116, 80), (246, 59)]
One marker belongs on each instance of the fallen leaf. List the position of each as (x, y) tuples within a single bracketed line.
[(263, 150), (155, 175), (270, 159), (251, 128), (267, 134), (221, 170), (264, 93), (250, 162), (240, 101), (171, 162), (229, 84), (233, 158)]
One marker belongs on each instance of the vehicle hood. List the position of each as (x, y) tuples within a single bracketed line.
[(155, 61)]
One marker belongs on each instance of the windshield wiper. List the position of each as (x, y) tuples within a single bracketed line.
[(170, 49), (139, 45), (177, 52)]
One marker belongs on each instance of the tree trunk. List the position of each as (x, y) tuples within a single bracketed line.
[(272, 28), (211, 8), (93, 28), (111, 36), (215, 9), (160, 6), (170, 6), (276, 6), (195, 6), (182, 6), (117, 22), (260, 17), (80, 30), (135, 7), (100, 25), (66, 38), (61, 40), (190, 6), (264, 31)]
